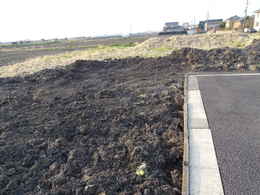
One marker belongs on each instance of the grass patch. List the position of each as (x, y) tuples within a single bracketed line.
[(126, 45)]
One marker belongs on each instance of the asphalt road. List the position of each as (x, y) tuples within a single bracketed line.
[(232, 105)]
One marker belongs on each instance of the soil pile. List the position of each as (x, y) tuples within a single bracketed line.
[(223, 59), (102, 127), (110, 127), (201, 41), (254, 52)]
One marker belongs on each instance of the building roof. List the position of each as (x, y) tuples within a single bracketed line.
[(234, 18), (214, 20), (171, 23)]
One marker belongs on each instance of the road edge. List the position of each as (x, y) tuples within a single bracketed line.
[(185, 164)]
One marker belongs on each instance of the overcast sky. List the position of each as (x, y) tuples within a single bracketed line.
[(36, 19)]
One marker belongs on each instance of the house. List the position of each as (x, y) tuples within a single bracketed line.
[(257, 20), (213, 24), (173, 28), (208, 25), (234, 23), (171, 24)]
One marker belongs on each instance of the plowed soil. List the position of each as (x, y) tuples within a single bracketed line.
[(102, 127)]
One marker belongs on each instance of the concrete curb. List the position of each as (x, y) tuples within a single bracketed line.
[(185, 166), (208, 74), (200, 168)]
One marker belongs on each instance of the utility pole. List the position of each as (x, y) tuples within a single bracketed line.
[(246, 12), (246, 9), (206, 27), (207, 16)]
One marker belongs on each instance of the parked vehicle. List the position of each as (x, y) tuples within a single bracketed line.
[(250, 30)]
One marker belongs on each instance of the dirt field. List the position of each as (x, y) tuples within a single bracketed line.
[(12, 54), (103, 127)]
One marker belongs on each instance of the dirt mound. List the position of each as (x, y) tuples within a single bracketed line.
[(254, 52), (102, 127), (225, 58), (201, 41), (222, 59), (89, 128)]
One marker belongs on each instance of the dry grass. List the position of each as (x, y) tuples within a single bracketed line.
[(153, 47)]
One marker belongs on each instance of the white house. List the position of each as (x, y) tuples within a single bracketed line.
[(173, 27), (257, 20)]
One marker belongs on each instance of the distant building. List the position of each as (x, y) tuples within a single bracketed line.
[(234, 23), (208, 25), (257, 20), (173, 28), (170, 25), (213, 24), (202, 25)]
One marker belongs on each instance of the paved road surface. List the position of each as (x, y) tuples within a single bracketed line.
[(232, 105)]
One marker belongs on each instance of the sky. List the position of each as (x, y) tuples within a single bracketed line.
[(37, 19)]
